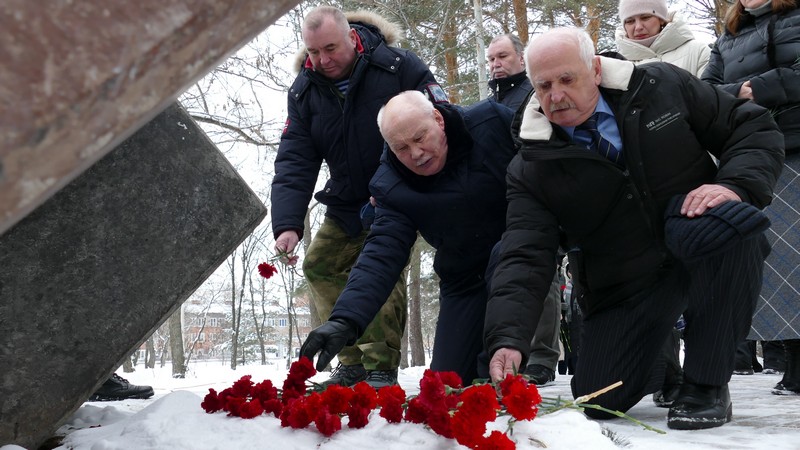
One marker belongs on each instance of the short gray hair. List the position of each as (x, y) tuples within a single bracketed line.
[(518, 47), (416, 98), (316, 17), (578, 35)]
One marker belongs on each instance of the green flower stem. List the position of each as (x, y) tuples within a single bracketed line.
[(550, 405)]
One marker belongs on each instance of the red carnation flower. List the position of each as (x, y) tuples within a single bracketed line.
[(326, 422), (416, 411), (439, 421), (251, 409), (468, 429), (480, 402), (243, 386), (337, 398), (358, 416), (391, 399), (364, 396), (519, 398), (235, 405), (496, 441), (267, 270), (273, 406), (211, 402), (264, 391), (295, 414)]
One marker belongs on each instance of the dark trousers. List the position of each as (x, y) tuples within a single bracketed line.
[(717, 296), (459, 330)]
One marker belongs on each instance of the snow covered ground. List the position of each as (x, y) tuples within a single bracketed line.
[(173, 419)]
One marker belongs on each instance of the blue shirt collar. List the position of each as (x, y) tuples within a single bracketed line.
[(602, 107)]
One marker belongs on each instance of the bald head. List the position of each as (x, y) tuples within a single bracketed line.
[(565, 74), (414, 131)]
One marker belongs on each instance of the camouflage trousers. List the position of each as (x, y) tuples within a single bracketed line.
[(326, 267)]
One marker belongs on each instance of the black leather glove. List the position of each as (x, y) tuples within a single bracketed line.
[(328, 339)]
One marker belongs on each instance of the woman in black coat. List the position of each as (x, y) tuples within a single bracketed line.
[(758, 58)]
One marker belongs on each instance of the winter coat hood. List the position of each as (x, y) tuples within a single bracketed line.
[(378, 27)]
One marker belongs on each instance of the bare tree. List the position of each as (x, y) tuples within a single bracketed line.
[(176, 344), (709, 14), (415, 341)]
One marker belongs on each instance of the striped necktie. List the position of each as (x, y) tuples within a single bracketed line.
[(599, 143)]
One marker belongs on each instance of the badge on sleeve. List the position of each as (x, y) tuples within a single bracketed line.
[(286, 125), (435, 93)]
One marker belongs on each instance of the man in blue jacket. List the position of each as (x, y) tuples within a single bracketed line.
[(347, 71), (443, 175)]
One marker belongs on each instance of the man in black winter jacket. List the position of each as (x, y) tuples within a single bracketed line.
[(443, 176), (509, 84), (346, 73), (595, 174)]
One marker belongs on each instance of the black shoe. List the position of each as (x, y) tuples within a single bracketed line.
[(346, 375), (539, 374), (700, 406), (118, 388), (381, 378), (783, 389), (664, 397)]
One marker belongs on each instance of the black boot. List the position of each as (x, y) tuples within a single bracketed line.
[(346, 375), (790, 384), (700, 406), (539, 374), (118, 388)]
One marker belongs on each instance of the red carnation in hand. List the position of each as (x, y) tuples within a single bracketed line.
[(519, 397), (267, 270)]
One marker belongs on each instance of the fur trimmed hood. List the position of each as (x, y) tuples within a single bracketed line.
[(390, 31)]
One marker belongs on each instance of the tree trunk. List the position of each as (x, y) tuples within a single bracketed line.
[(451, 59), (150, 354), (127, 367), (415, 342), (593, 25), (176, 345), (312, 307), (404, 347), (521, 20), (234, 316)]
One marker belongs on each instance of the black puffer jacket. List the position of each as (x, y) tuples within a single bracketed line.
[(746, 56), (560, 193), (341, 129), (510, 91), (460, 211)]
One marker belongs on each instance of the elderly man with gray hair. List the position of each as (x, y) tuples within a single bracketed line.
[(442, 174), (615, 165)]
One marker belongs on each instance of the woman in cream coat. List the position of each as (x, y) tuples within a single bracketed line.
[(650, 33)]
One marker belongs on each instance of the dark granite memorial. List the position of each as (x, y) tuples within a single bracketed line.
[(79, 77), (89, 274)]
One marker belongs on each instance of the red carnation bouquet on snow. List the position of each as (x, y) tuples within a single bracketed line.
[(443, 404)]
